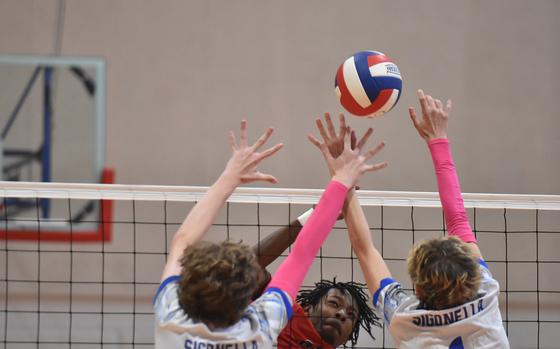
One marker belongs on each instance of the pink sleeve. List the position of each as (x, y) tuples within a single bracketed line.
[(450, 191), (292, 271)]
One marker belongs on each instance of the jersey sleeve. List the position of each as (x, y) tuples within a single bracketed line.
[(486, 274), (166, 302), (273, 310), (388, 298)]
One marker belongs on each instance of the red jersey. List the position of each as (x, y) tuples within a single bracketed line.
[(300, 333)]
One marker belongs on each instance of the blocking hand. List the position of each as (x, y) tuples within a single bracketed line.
[(335, 142), (242, 166), (435, 116), (350, 164)]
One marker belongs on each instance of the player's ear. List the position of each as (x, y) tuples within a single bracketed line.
[(417, 290)]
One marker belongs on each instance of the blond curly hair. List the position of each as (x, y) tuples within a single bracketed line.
[(445, 273)]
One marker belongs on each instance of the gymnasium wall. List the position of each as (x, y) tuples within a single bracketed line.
[(181, 74)]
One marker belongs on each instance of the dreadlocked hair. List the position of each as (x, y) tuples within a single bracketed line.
[(366, 317)]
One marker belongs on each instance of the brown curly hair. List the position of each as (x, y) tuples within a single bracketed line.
[(445, 273), (217, 281)]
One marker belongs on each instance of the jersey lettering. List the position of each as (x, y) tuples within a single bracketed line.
[(194, 344), (431, 320)]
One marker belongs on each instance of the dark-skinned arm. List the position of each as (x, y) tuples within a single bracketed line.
[(271, 247)]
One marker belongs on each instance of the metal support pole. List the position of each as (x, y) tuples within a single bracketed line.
[(46, 148)]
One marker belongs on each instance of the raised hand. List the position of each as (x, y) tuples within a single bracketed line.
[(435, 116), (350, 164), (335, 142), (242, 166)]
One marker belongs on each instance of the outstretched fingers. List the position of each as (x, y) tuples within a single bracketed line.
[(243, 134), (415, 122), (269, 152), (259, 176), (448, 106), (341, 125), (423, 102), (314, 141), (330, 126), (265, 154), (412, 114), (321, 129), (321, 146), (232, 140), (430, 101), (376, 167), (353, 139), (364, 139), (348, 138), (262, 139), (372, 152)]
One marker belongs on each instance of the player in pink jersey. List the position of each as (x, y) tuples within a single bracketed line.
[(456, 299), (204, 297)]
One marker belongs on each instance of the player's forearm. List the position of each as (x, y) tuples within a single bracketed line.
[(371, 262), (450, 191), (202, 215), (268, 249), (292, 271), (198, 222), (356, 222)]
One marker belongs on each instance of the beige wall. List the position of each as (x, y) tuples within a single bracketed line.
[(182, 73)]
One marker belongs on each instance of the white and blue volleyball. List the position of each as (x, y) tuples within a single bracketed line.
[(368, 84)]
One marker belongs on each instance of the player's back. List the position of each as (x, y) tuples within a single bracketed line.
[(475, 324), (258, 328)]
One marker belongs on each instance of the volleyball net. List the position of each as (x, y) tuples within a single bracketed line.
[(61, 289)]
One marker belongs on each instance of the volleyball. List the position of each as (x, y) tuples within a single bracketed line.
[(368, 84)]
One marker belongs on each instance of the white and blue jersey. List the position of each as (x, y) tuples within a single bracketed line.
[(476, 324), (259, 326)]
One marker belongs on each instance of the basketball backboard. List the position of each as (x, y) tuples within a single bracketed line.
[(52, 129)]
